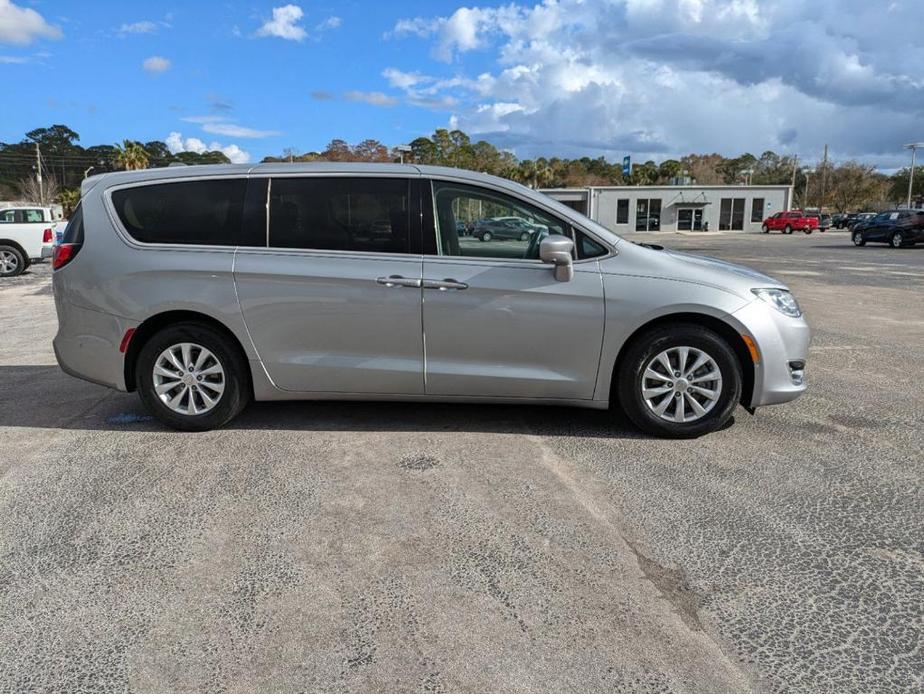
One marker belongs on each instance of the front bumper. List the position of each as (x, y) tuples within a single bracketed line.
[(783, 344)]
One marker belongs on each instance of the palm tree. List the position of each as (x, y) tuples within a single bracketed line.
[(545, 174), (131, 156), (69, 197)]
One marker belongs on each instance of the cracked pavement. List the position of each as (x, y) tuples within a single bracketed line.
[(398, 547)]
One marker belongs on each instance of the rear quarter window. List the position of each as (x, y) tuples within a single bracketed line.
[(206, 212), (73, 233)]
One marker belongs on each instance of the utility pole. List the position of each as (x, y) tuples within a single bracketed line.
[(38, 169), (795, 163), (824, 175)]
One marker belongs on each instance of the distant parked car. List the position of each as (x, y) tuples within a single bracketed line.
[(792, 220), (898, 228), (861, 220), (27, 235), (843, 219), (506, 228), (824, 222)]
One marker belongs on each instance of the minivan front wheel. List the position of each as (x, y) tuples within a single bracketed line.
[(192, 378), (679, 381)]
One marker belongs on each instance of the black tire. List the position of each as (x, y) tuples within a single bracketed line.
[(524, 236), (487, 236), (858, 239), (897, 240), (765, 229), (14, 263), (807, 231), (237, 389), (787, 230), (647, 347)]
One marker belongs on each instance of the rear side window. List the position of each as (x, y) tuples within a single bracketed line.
[(340, 214), (206, 212)]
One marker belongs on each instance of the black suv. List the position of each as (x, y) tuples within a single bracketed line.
[(842, 220), (898, 228)]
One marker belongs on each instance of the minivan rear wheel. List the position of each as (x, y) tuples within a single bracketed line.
[(679, 381), (192, 377)]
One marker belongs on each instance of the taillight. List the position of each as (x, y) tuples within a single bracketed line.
[(47, 236), (63, 254)]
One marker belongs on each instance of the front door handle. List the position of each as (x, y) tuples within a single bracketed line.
[(398, 281), (444, 285)]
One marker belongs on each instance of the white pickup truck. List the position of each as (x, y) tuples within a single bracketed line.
[(27, 234)]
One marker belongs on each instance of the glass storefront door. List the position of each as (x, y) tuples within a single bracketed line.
[(690, 219)]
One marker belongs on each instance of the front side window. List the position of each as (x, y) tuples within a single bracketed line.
[(479, 223), (204, 212), (340, 214)]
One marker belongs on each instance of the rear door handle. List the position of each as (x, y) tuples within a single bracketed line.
[(444, 285), (399, 281)]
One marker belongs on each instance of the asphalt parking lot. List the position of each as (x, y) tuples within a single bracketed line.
[(383, 547)]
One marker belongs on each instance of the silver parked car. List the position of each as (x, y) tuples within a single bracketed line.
[(206, 287)]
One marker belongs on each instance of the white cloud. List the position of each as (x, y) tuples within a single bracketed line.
[(176, 144), (21, 25), (667, 77), (329, 23), (200, 120), (284, 24), (373, 98), (234, 130), (145, 26), (156, 64), (14, 59), (403, 80), (233, 152), (222, 125)]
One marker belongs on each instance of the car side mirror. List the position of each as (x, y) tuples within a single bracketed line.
[(556, 250)]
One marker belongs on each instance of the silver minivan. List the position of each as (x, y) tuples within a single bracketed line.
[(206, 287)]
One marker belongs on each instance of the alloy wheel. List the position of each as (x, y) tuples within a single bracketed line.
[(681, 384), (188, 379), (9, 263)]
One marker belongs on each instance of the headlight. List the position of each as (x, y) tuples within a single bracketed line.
[(782, 300)]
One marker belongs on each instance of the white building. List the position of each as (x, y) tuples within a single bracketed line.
[(677, 208)]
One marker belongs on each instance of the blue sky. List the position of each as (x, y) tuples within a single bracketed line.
[(654, 78)]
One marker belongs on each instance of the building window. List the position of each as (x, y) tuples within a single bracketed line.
[(648, 214), (731, 214), (622, 211), (757, 210)]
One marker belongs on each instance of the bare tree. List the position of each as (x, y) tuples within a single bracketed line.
[(853, 185), (30, 191)]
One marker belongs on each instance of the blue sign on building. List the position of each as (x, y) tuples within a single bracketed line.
[(626, 165)]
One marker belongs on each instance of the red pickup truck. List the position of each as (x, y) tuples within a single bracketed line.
[(789, 221)]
